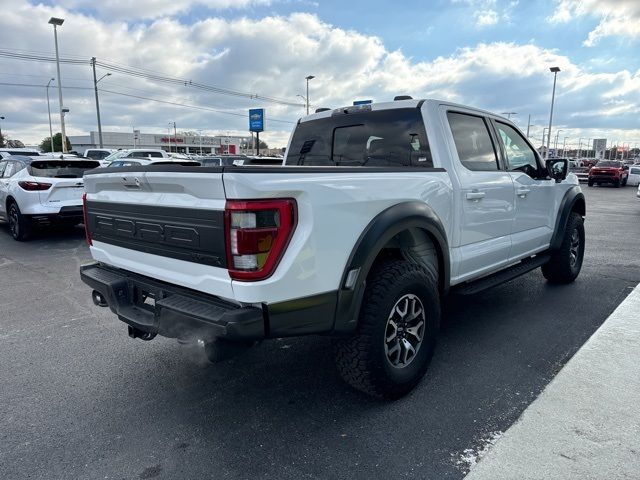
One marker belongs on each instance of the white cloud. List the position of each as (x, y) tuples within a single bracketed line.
[(486, 13), (617, 17), (144, 9), (271, 56)]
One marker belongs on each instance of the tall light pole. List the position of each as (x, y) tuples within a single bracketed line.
[(310, 77), (529, 125), (555, 145), (508, 114), (555, 71), (49, 112), (56, 22), (95, 86), (564, 145), (1, 137)]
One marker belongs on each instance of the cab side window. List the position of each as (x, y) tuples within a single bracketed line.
[(520, 156), (473, 142), (3, 165)]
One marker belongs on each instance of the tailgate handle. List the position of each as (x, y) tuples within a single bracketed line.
[(135, 183)]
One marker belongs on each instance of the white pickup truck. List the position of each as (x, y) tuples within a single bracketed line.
[(378, 212)]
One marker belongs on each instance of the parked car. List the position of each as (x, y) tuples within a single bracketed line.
[(609, 171), (582, 172), (98, 153), (7, 152), (41, 191), (138, 153), (358, 236), (222, 160), (634, 175)]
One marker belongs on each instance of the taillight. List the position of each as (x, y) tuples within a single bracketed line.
[(257, 234), (85, 219), (34, 186)]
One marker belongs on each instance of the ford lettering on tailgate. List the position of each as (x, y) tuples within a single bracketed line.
[(184, 233)]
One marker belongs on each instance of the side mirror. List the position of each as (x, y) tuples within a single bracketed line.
[(558, 168)]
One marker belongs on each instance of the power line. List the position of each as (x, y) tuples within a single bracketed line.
[(167, 102), (146, 74)]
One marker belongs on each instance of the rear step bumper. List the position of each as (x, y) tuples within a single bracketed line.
[(158, 308)]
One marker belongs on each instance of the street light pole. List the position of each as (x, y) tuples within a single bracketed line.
[(555, 71), (49, 112), (528, 125), (564, 145), (555, 145), (1, 137), (508, 114), (95, 86), (310, 77), (56, 22)]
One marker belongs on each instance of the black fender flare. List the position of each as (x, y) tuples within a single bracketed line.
[(573, 201), (375, 236)]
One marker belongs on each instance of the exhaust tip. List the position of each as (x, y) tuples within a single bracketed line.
[(98, 299)]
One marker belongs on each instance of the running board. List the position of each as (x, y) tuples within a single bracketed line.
[(495, 279)]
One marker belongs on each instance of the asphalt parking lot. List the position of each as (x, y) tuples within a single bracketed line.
[(79, 399)]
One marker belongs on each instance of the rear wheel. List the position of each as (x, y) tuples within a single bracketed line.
[(590, 183), (18, 224), (564, 265), (616, 183), (624, 182), (394, 343)]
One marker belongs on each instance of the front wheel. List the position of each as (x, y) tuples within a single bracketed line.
[(590, 183), (18, 225), (564, 265), (616, 183), (624, 182), (395, 339)]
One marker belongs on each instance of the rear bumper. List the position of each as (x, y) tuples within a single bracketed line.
[(70, 214), (159, 308)]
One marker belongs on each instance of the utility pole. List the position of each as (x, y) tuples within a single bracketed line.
[(528, 125), (175, 136), (309, 77), (95, 86)]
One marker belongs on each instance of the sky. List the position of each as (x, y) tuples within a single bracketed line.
[(491, 54)]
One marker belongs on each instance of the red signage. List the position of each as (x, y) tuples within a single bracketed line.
[(171, 140)]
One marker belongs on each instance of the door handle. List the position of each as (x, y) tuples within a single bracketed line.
[(475, 196), (522, 192)]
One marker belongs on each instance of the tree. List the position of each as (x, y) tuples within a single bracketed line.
[(45, 145), (2, 140), (263, 145)]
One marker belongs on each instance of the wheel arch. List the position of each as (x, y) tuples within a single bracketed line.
[(395, 221), (573, 201)]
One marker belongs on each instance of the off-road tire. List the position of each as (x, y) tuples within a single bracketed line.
[(561, 268), (19, 225), (362, 359)]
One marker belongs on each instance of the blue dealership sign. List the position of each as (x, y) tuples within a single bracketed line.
[(256, 119)]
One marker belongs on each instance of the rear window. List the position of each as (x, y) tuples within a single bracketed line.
[(29, 153), (608, 163), (61, 168), (97, 154), (383, 138), (634, 170), (124, 163)]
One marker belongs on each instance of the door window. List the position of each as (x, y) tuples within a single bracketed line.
[(473, 142), (3, 165), (520, 156)]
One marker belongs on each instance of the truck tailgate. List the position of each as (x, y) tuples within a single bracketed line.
[(132, 228)]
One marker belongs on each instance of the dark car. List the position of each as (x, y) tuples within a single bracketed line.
[(609, 171)]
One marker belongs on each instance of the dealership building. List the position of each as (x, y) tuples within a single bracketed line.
[(192, 144)]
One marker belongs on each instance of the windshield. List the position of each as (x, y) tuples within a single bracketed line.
[(608, 163), (380, 138), (116, 155), (61, 168)]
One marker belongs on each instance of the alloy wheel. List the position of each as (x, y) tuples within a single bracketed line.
[(404, 331), (574, 249)]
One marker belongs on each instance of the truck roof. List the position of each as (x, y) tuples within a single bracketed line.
[(409, 103)]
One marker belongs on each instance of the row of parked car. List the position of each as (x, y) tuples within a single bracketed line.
[(47, 189)]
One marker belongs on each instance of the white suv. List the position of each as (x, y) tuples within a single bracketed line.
[(35, 191)]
